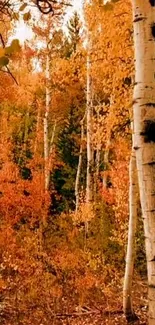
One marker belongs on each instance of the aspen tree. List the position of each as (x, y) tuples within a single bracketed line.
[(77, 181), (144, 129), (46, 116), (89, 114), (106, 162), (48, 143), (133, 192)]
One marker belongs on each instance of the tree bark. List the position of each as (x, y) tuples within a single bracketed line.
[(144, 129), (133, 193), (37, 126), (26, 131), (97, 170), (50, 150), (77, 181), (46, 115), (106, 162), (89, 184)]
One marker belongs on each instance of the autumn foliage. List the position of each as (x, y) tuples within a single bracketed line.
[(55, 261)]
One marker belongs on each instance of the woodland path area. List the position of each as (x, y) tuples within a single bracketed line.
[(111, 313), (94, 312)]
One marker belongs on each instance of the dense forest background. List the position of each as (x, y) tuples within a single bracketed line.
[(62, 248)]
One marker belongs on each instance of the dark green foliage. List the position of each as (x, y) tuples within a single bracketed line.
[(67, 45), (74, 27), (68, 152), (26, 173)]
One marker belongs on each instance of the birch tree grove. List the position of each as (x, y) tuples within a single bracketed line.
[(144, 129), (66, 186)]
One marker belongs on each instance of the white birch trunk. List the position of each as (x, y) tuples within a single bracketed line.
[(77, 181), (46, 115), (108, 143), (50, 150), (89, 181), (97, 169), (144, 130), (37, 127), (133, 197)]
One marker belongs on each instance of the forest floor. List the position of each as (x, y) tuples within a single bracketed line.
[(106, 310), (110, 313)]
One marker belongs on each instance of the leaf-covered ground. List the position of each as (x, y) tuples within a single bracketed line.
[(110, 313), (92, 313)]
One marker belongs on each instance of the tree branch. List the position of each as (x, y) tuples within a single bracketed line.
[(7, 68)]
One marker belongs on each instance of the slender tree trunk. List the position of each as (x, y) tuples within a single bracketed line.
[(97, 160), (89, 183), (89, 115), (97, 169), (50, 150), (144, 129), (37, 127), (106, 162), (77, 181), (46, 115), (108, 143), (26, 130), (133, 197)]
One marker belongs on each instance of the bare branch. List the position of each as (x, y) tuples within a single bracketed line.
[(10, 73), (2, 40)]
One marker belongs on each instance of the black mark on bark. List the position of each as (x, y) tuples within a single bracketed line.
[(152, 163), (152, 3), (149, 131), (150, 104), (153, 29), (152, 286), (136, 147), (138, 19)]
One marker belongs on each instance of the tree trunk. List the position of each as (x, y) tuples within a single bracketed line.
[(106, 162), (50, 150), (89, 185), (110, 122), (77, 181), (133, 193), (37, 126), (89, 115), (46, 143), (97, 170), (26, 131), (144, 130)]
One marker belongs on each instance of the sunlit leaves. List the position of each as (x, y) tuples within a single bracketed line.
[(6, 52)]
